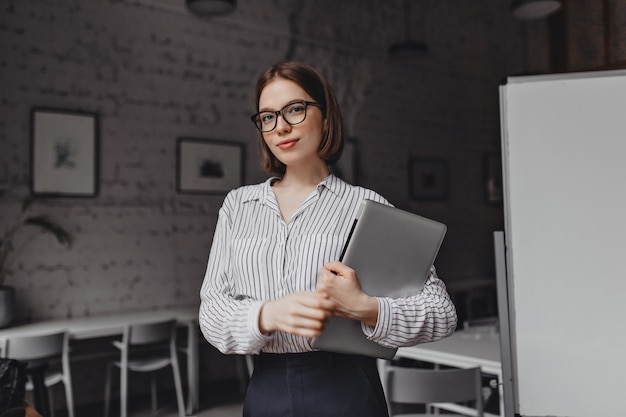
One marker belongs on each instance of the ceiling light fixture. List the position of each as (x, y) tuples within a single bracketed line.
[(534, 9), (408, 48), (211, 7)]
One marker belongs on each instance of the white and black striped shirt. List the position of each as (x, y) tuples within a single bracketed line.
[(256, 256)]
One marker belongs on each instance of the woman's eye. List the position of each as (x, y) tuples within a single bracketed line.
[(267, 117), (296, 108)]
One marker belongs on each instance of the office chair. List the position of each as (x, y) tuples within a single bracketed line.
[(38, 352), (136, 341), (439, 388)]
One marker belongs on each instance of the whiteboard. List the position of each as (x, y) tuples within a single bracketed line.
[(564, 169)]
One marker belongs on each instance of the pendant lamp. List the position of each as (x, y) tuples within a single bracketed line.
[(211, 7), (534, 9), (408, 48)]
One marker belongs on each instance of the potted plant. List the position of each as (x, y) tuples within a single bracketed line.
[(9, 252)]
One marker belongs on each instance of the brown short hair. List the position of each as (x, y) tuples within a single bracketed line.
[(318, 88)]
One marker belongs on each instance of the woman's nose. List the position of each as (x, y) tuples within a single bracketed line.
[(282, 125)]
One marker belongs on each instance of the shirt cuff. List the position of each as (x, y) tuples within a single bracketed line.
[(259, 340), (382, 324)]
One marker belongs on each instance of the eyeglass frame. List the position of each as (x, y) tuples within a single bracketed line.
[(280, 113)]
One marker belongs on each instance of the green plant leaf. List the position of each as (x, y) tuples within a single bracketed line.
[(48, 225)]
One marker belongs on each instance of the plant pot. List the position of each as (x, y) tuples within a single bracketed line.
[(7, 306)]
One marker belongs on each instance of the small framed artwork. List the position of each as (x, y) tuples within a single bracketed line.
[(492, 178), (64, 153), (205, 166), (428, 179), (345, 167)]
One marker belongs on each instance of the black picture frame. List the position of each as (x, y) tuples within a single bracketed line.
[(492, 178), (428, 179), (208, 166), (64, 153)]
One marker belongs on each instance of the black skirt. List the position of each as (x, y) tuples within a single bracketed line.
[(314, 384)]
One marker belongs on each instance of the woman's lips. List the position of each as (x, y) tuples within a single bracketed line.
[(286, 144)]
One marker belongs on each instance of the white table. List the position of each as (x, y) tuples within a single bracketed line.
[(463, 349), (113, 324)]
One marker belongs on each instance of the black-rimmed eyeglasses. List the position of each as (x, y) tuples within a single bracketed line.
[(293, 113)]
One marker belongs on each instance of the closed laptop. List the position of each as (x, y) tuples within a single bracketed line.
[(391, 251)]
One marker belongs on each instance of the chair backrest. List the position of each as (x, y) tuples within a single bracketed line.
[(145, 333), (422, 386), (35, 347)]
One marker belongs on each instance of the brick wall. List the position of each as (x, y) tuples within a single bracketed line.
[(153, 73)]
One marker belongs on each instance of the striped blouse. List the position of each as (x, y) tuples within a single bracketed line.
[(256, 256)]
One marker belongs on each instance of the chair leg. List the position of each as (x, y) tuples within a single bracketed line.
[(51, 401), (178, 385), (69, 395), (123, 391)]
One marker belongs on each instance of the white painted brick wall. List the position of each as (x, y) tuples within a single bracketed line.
[(153, 75)]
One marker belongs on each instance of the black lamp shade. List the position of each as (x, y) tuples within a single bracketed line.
[(534, 9)]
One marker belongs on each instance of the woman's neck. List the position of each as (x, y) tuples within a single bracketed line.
[(303, 176)]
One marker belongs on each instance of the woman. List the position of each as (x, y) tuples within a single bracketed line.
[(273, 277)]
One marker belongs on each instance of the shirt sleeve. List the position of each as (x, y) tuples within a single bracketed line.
[(228, 322), (425, 317)]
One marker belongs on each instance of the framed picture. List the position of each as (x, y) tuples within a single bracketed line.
[(205, 166), (64, 153), (428, 179), (492, 178), (345, 168)]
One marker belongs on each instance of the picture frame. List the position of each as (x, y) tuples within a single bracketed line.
[(207, 166), (492, 178), (64, 153), (428, 179), (346, 167)]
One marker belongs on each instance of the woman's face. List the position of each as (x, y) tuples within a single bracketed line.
[(297, 144)]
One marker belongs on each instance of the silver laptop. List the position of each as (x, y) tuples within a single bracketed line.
[(391, 251)]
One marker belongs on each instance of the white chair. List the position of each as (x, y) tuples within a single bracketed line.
[(440, 388), (38, 352), (145, 339)]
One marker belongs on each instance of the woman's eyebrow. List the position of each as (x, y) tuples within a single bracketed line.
[(296, 100)]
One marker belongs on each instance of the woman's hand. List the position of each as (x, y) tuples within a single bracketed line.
[(340, 284), (301, 313)]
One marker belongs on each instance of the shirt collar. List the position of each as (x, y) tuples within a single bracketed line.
[(332, 183), (264, 193)]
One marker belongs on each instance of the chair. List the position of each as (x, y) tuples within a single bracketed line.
[(38, 352), (434, 387), (139, 351)]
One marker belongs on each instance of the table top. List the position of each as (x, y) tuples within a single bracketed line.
[(462, 349), (101, 325)]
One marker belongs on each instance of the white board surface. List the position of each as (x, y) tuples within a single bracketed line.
[(564, 162)]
